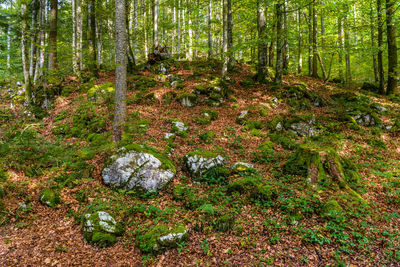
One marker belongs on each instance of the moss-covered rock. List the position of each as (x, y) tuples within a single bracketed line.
[(242, 167), (243, 185), (187, 100), (189, 196), (86, 120), (286, 140), (332, 210), (202, 163), (101, 229), (300, 98), (208, 137), (142, 83), (180, 129), (61, 129), (139, 167), (143, 98), (261, 194), (160, 238), (49, 197), (276, 124), (169, 97), (320, 164), (247, 83)]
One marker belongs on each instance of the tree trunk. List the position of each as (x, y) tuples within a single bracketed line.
[(28, 89), (285, 50), (310, 40), (93, 38), (262, 42), (34, 33), (280, 43), (340, 45), (53, 34), (120, 71), (392, 48), (131, 57), (225, 41), (79, 34), (209, 17), (375, 67), (300, 44), (40, 61), (380, 49), (347, 49), (179, 31), (231, 59), (190, 25), (74, 39), (314, 43), (9, 46), (155, 24)]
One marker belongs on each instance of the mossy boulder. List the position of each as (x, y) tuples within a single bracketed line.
[(304, 125), (218, 217), (242, 167), (61, 129), (101, 229), (180, 129), (160, 238), (208, 137), (50, 197), (144, 98), (187, 100), (202, 163), (86, 120), (300, 98), (169, 97), (142, 83), (332, 210), (320, 164), (207, 116), (103, 92), (247, 83), (254, 188), (139, 167), (276, 124)]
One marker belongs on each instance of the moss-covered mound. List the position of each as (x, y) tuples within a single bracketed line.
[(206, 166), (160, 238), (103, 92), (300, 98), (101, 229), (321, 165), (50, 197)]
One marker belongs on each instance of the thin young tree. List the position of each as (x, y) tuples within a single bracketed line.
[(381, 74), (121, 69), (262, 42), (392, 48), (225, 38), (279, 43), (53, 34)]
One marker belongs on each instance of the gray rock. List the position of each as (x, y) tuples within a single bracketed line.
[(173, 238), (304, 128), (365, 119), (241, 119), (179, 128), (241, 166), (187, 102), (279, 127), (137, 170), (197, 164)]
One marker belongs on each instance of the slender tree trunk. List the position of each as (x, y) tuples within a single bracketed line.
[(9, 46), (120, 71), (209, 17), (225, 40), (340, 45), (179, 31), (310, 40), (28, 89), (93, 38), (231, 62), (314, 44), (392, 48), (300, 44), (79, 34), (155, 24), (99, 35), (347, 49), (262, 42), (74, 41), (131, 57), (53, 34), (375, 67), (190, 25), (279, 42), (40, 61), (380, 49), (286, 39), (34, 33)]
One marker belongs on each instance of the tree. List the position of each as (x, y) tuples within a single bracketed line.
[(155, 24), (280, 43), (28, 89), (314, 42), (225, 39), (121, 69), (392, 48), (262, 41), (381, 74), (53, 34)]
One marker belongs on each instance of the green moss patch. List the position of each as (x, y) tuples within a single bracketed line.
[(50, 197)]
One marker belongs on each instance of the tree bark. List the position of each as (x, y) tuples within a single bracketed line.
[(40, 61), (79, 34), (340, 45), (28, 89), (120, 71), (231, 55), (155, 24), (34, 34), (225, 41), (300, 44), (314, 43), (53, 34), (209, 17), (375, 67), (262, 42), (74, 39), (381, 73), (179, 31), (93, 38), (392, 48), (347, 49), (280, 43), (9, 46), (285, 50)]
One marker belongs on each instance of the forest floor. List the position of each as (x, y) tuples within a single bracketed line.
[(289, 229)]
